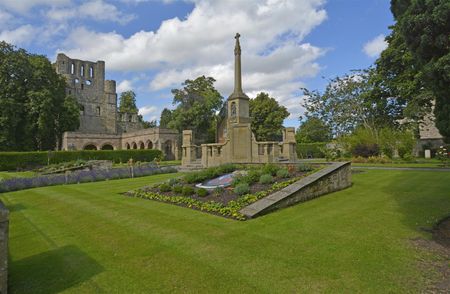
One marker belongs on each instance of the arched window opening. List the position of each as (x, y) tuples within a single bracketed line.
[(98, 110), (134, 145), (88, 82), (149, 145), (127, 146), (76, 81), (82, 71), (82, 86), (91, 72), (107, 147), (72, 68), (90, 147), (141, 145), (130, 118), (81, 109)]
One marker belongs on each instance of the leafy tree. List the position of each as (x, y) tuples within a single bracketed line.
[(424, 26), (267, 117), (196, 106), (127, 102), (166, 117), (34, 109), (313, 130), (351, 101), (149, 124)]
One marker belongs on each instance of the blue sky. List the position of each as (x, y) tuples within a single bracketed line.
[(152, 46)]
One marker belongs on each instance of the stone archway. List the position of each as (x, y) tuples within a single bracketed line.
[(90, 147), (107, 146), (141, 145), (149, 144), (127, 146), (134, 145)]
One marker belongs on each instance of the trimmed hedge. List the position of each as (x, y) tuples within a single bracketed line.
[(311, 150), (22, 160)]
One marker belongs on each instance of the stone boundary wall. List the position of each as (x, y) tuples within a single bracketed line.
[(336, 176), (4, 223)]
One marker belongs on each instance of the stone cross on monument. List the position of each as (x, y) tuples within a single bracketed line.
[(237, 93)]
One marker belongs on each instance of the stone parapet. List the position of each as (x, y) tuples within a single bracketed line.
[(336, 176), (4, 224)]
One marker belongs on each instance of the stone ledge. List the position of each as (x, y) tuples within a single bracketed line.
[(336, 176)]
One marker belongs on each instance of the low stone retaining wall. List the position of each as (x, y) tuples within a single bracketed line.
[(336, 176), (4, 222)]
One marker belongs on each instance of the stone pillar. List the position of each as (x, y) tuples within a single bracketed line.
[(289, 144), (186, 156), (4, 223)]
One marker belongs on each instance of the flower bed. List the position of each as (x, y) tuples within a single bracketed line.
[(250, 186), (15, 184)]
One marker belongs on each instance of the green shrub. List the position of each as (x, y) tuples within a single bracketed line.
[(302, 167), (283, 173), (173, 181), (209, 173), (311, 150), (201, 192), (218, 191), (265, 179), (187, 191), (253, 175), (165, 187), (239, 179), (21, 160), (177, 189), (270, 169), (241, 189), (226, 168)]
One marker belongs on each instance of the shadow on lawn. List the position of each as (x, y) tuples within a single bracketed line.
[(52, 271), (16, 207), (423, 198)]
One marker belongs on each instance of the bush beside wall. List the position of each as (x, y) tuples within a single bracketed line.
[(22, 160), (311, 150)]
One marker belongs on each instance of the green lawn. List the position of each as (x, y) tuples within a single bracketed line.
[(404, 164), (4, 175), (89, 239)]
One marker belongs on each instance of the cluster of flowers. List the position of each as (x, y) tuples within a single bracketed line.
[(229, 210), (443, 155), (15, 184)]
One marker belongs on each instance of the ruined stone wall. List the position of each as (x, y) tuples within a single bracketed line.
[(80, 141), (4, 231), (97, 96), (165, 140)]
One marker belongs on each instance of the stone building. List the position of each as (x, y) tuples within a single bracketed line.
[(102, 126), (235, 141), (429, 136)]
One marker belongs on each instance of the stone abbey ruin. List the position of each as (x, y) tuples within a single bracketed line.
[(102, 126)]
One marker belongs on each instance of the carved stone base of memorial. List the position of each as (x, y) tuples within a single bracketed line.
[(4, 223)]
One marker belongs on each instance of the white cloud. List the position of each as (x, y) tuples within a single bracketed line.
[(124, 85), (374, 47), (150, 112), (95, 9), (23, 6), (5, 18), (274, 57), (19, 36)]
